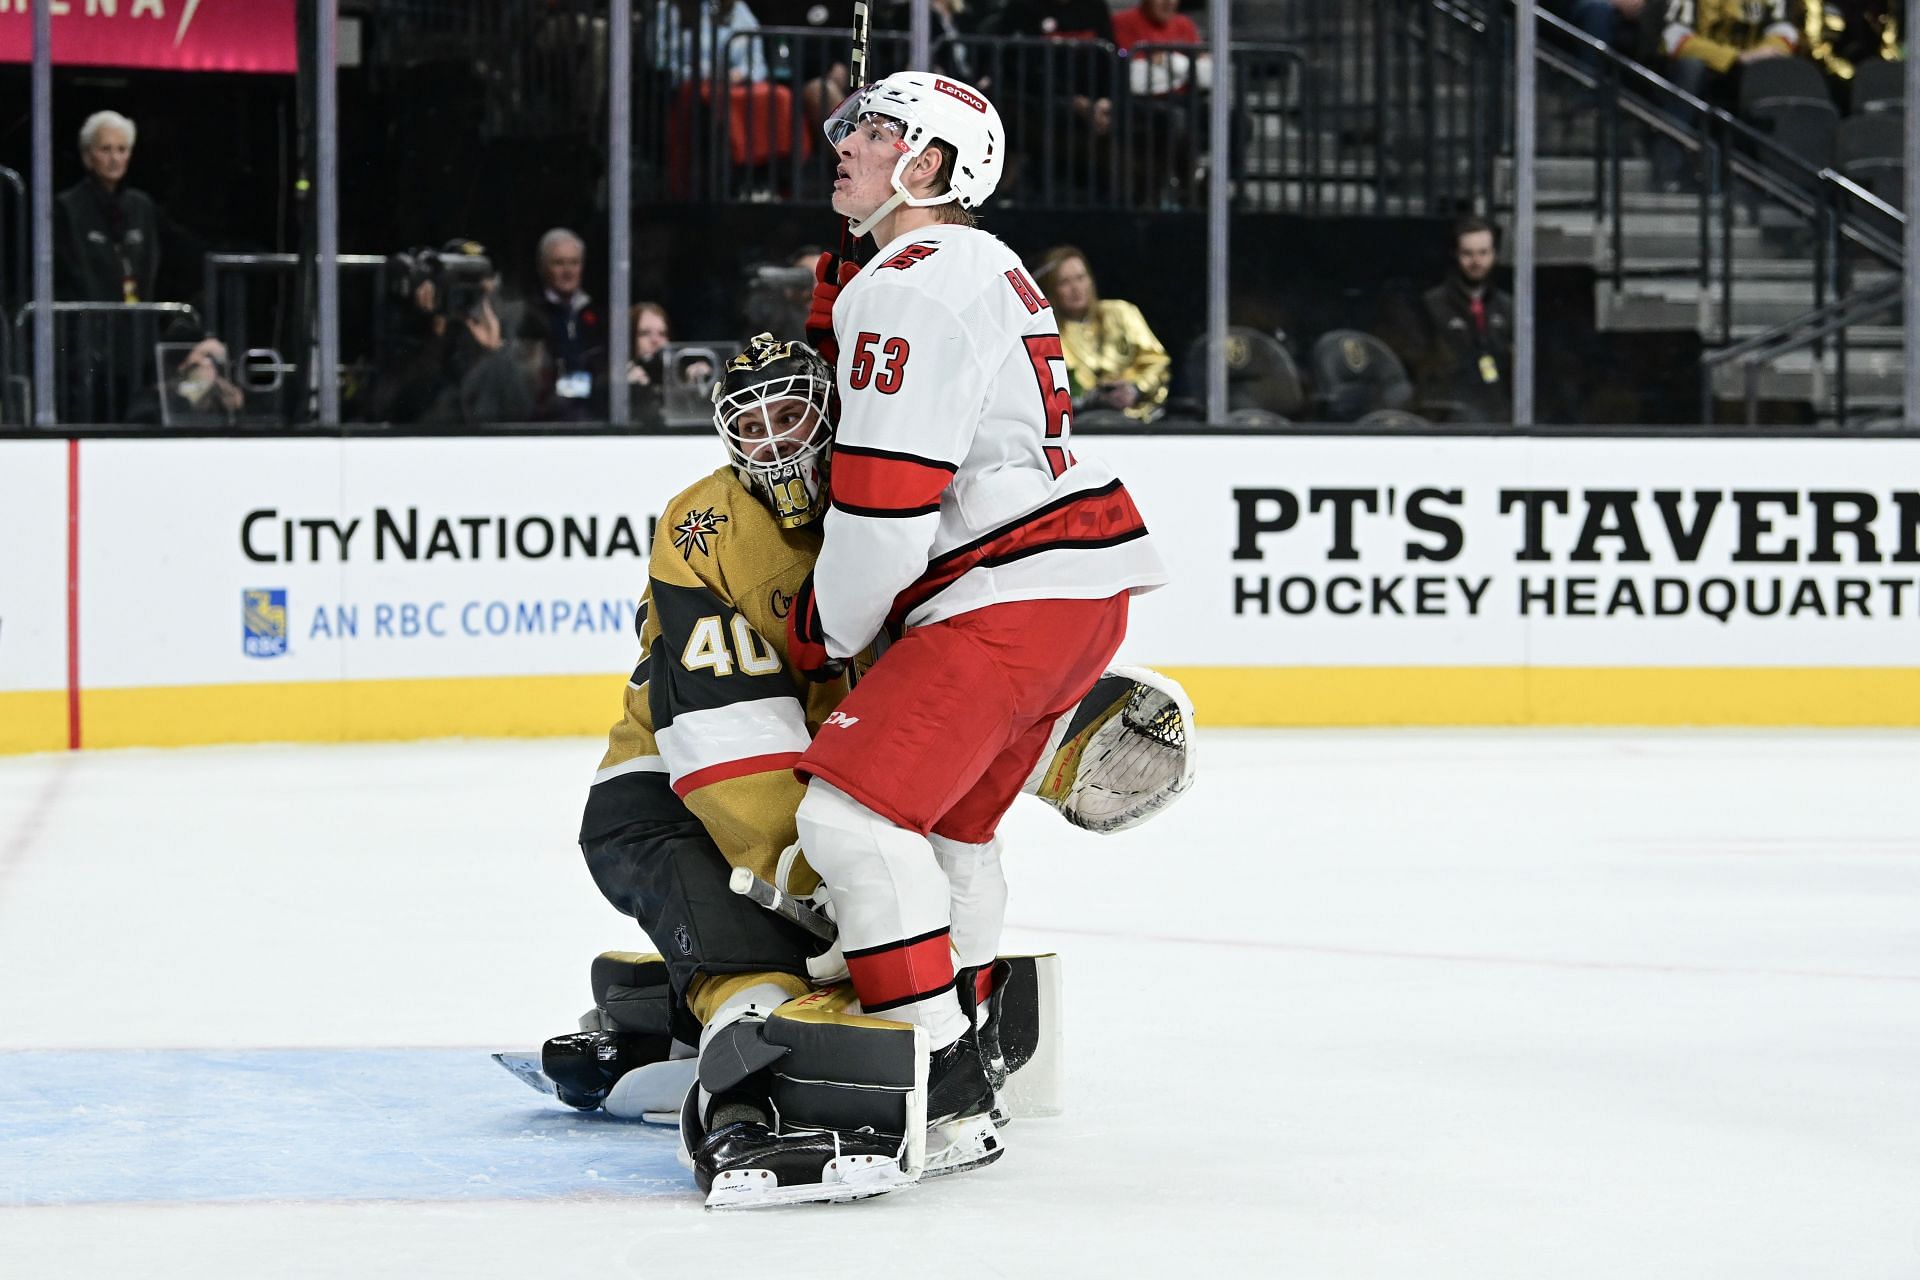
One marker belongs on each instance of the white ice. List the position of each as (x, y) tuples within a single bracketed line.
[(1421, 1004)]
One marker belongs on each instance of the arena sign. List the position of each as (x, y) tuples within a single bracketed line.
[(1528, 580), (164, 35), (389, 588)]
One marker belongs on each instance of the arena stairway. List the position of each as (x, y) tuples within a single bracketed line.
[(1661, 288)]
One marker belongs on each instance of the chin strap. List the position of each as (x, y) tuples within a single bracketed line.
[(874, 219)]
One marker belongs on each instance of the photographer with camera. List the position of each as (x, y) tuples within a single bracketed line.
[(448, 361)]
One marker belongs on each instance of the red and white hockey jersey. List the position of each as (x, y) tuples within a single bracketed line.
[(953, 482)]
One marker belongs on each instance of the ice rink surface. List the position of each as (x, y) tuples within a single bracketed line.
[(1420, 1004)]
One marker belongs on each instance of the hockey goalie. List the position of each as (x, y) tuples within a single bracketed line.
[(740, 1030)]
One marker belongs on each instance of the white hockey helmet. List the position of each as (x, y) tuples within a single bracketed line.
[(770, 405), (928, 107)]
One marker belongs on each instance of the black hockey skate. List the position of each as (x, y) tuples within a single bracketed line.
[(960, 1110), (748, 1165), (986, 1019)]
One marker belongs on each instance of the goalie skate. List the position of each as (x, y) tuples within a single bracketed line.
[(748, 1166)]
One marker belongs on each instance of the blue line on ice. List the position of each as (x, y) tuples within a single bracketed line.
[(114, 1126)]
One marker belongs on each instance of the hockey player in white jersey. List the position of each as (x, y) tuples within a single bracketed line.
[(960, 520), (696, 786)]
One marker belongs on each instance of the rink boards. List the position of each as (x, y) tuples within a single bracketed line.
[(192, 590)]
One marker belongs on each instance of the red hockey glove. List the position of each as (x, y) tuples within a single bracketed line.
[(807, 641), (830, 275)]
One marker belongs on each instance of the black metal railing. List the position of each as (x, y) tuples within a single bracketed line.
[(16, 282), (1348, 107), (103, 356), (1747, 177), (1803, 333)]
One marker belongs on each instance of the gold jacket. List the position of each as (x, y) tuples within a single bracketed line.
[(1114, 344), (1717, 32)]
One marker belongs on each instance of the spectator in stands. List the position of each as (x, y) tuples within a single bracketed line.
[(948, 22), (686, 37), (1154, 22), (108, 233), (647, 374), (198, 391), (1162, 83), (202, 381), (1469, 340), (1704, 43), (1114, 359), (1061, 100), (569, 336), (1842, 34), (449, 362), (1604, 20)]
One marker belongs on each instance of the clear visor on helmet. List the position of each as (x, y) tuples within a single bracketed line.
[(852, 115), (777, 434)]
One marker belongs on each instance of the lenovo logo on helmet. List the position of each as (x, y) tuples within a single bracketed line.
[(961, 92)]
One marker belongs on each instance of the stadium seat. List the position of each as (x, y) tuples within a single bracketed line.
[(1257, 419), (1355, 374), (1879, 86), (1398, 418), (1871, 153), (1788, 97), (1260, 373)]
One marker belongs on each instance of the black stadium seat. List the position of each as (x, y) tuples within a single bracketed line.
[(1879, 86), (1789, 97), (1355, 374), (1398, 418), (1871, 153), (1260, 373)]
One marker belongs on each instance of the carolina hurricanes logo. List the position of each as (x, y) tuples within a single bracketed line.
[(913, 253), (691, 534)]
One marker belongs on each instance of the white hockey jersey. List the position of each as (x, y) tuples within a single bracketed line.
[(953, 482)]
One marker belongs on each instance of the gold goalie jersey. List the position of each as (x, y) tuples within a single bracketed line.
[(713, 707)]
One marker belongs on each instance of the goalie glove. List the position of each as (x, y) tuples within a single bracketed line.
[(1124, 754)]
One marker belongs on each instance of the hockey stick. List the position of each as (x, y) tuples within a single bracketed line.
[(857, 62), (856, 81), (784, 905)]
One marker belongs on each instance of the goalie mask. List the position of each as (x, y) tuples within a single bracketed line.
[(916, 108), (770, 406)]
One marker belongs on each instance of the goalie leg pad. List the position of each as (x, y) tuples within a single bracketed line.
[(1021, 1033), (845, 1070)]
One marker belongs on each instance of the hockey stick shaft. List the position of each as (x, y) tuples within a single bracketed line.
[(758, 891), (856, 81), (857, 63)]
